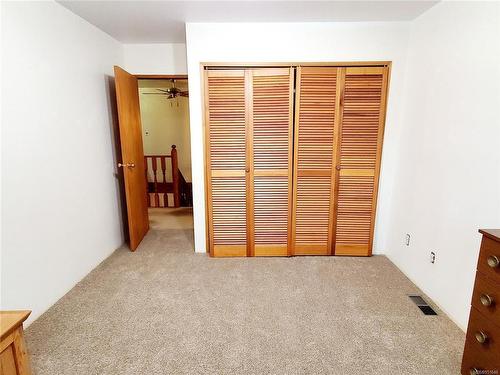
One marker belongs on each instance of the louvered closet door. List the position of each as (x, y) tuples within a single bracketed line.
[(363, 111), (316, 134), (226, 118), (271, 160)]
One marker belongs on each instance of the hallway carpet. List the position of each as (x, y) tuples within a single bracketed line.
[(171, 218), (166, 310)]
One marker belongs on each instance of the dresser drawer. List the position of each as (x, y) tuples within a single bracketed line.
[(483, 336), (489, 259), (475, 362), (486, 298)]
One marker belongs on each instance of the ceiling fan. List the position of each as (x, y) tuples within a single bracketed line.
[(171, 93)]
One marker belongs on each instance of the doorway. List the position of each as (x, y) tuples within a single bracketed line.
[(164, 110), (156, 173)]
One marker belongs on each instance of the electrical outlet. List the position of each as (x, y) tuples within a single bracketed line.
[(433, 257), (407, 241)]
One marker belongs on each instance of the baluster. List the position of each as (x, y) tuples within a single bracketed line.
[(175, 176), (155, 168), (147, 182), (163, 159)]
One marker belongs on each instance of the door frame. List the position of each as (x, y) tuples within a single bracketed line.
[(245, 65), (159, 77)]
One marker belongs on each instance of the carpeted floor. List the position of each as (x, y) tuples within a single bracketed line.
[(166, 310), (171, 218)]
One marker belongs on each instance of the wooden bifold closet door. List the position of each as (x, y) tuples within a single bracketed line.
[(227, 161), (316, 137), (338, 138), (293, 177), (359, 152), (249, 161)]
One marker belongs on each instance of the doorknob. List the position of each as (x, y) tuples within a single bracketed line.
[(128, 165)]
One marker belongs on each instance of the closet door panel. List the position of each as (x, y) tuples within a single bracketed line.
[(316, 124), (363, 112), (226, 157), (256, 205), (271, 128)]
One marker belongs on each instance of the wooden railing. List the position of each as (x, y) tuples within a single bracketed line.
[(185, 191), (161, 186)]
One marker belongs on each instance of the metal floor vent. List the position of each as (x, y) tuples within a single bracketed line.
[(422, 305)]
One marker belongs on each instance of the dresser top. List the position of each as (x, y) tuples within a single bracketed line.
[(10, 320), (494, 234)]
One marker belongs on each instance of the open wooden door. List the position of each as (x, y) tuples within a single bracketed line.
[(129, 116)]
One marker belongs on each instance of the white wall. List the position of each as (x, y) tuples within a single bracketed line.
[(61, 211), (166, 58), (296, 42), (448, 177)]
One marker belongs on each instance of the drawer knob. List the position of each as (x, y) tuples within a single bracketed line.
[(493, 261), (481, 337), (486, 300)]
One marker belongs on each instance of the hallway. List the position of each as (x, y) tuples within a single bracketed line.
[(166, 310), (171, 218)]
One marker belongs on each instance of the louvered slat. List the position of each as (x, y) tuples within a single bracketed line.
[(228, 202), (226, 104), (271, 155), (271, 210), (226, 120), (313, 213), (314, 159), (355, 195), (360, 141)]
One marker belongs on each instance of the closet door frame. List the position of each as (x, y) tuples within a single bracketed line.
[(205, 66)]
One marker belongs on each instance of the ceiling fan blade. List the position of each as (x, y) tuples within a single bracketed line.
[(153, 93), (162, 90), (184, 94)]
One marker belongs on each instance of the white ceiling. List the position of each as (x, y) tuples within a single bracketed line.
[(164, 21)]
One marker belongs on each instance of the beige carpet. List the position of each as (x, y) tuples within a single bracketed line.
[(171, 218), (166, 310)]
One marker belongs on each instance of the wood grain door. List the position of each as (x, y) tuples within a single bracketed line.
[(129, 117), (226, 103), (270, 140), (361, 133), (249, 160), (316, 140), (256, 205)]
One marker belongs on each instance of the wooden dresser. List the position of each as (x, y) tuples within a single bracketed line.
[(13, 354), (482, 343)]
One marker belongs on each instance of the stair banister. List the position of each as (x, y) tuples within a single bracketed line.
[(175, 176)]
